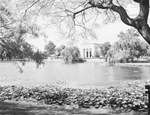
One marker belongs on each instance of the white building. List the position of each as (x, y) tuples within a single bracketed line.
[(90, 50)]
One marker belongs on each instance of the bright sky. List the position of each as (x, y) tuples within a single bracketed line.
[(106, 33)]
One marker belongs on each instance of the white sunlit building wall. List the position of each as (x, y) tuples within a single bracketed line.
[(90, 50)]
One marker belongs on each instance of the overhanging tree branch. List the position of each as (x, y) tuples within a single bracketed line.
[(30, 7), (109, 5), (78, 12), (140, 22), (123, 14), (138, 1)]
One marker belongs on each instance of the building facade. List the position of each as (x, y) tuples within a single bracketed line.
[(90, 50)]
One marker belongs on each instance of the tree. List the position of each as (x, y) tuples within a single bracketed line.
[(50, 48), (104, 49), (148, 51), (77, 13), (129, 46), (18, 17), (14, 28), (38, 57), (140, 22), (70, 11), (71, 55), (59, 50)]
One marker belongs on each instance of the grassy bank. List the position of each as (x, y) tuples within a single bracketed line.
[(132, 97)]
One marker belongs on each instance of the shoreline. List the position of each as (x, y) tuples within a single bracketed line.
[(99, 61), (133, 64), (102, 61)]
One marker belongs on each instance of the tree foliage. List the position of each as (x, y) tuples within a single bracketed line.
[(14, 28), (140, 22), (71, 55), (71, 15), (59, 50), (50, 48), (105, 48), (38, 57), (129, 46), (18, 18)]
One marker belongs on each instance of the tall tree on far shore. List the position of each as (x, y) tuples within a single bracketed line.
[(129, 46), (59, 50), (50, 48), (71, 55), (104, 48)]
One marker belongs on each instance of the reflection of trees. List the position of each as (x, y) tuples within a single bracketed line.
[(126, 73), (145, 72)]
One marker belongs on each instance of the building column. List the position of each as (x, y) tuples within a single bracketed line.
[(83, 53), (89, 53)]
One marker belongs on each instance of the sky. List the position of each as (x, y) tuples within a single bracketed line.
[(105, 33)]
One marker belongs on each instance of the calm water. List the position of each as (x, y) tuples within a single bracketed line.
[(84, 74)]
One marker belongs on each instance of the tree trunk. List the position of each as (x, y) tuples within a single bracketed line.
[(144, 30)]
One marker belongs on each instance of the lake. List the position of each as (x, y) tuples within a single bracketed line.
[(81, 74)]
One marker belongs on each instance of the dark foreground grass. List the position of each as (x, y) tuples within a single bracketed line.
[(9, 108), (20, 108)]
